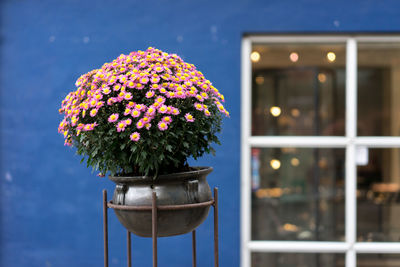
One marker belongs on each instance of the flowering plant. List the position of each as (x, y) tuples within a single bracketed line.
[(142, 114)]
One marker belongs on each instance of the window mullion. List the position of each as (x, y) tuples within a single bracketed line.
[(351, 133)]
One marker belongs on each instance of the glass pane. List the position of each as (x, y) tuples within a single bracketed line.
[(298, 89), (378, 260), (297, 260), (378, 89), (378, 195), (297, 194)]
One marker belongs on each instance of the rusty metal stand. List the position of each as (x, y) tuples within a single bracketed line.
[(154, 208)]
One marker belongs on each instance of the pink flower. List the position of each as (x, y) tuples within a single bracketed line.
[(135, 136), (159, 68), (175, 111), (135, 113), (150, 112), (93, 112), (113, 117), (128, 96), (147, 125), (167, 119), (131, 84), (121, 126), (162, 126), (127, 111), (144, 80), (140, 124), (162, 109), (189, 117), (160, 100), (155, 79), (128, 121), (149, 94), (139, 86), (198, 106), (106, 90)]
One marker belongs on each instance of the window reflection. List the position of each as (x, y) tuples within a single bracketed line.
[(375, 260), (378, 89), (298, 90), (297, 260), (378, 210), (297, 194)]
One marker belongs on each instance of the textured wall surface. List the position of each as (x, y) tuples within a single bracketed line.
[(50, 204)]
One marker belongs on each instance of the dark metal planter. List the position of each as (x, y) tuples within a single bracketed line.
[(185, 188)]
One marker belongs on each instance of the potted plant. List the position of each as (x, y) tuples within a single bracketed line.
[(139, 118)]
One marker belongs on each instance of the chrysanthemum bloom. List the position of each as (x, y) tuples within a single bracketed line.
[(147, 125), (106, 90), (128, 121), (149, 94), (121, 126), (198, 106), (155, 79), (135, 136), (175, 111), (98, 97), (113, 117), (167, 119), (130, 105), (127, 111), (189, 117), (130, 84), (162, 126), (151, 111), (162, 109), (144, 80), (93, 112), (139, 124), (160, 100), (111, 101), (135, 113), (128, 96), (139, 86), (207, 112), (117, 87)]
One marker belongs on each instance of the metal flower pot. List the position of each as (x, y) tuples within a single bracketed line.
[(172, 189)]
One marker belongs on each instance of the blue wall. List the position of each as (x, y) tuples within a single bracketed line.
[(50, 204)]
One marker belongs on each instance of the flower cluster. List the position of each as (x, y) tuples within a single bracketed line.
[(146, 94)]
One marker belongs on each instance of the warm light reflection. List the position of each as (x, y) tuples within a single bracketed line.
[(275, 164), (295, 112), (331, 56), (259, 80), (275, 111), (295, 162), (255, 56), (321, 77), (294, 57)]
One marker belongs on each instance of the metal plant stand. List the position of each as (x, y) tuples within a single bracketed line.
[(154, 208)]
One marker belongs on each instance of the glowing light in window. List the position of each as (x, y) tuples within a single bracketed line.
[(294, 57), (321, 77), (259, 80), (331, 56), (295, 162), (275, 111), (295, 112), (275, 164), (255, 56)]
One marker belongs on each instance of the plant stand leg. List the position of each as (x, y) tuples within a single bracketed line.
[(216, 227), (105, 227), (129, 249), (194, 247), (154, 228)]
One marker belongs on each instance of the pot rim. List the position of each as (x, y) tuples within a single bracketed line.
[(199, 171)]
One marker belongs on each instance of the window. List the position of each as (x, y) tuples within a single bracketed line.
[(320, 164)]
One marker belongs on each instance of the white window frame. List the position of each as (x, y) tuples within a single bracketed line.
[(350, 247)]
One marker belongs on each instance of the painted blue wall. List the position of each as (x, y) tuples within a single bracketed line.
[(50, 204)]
